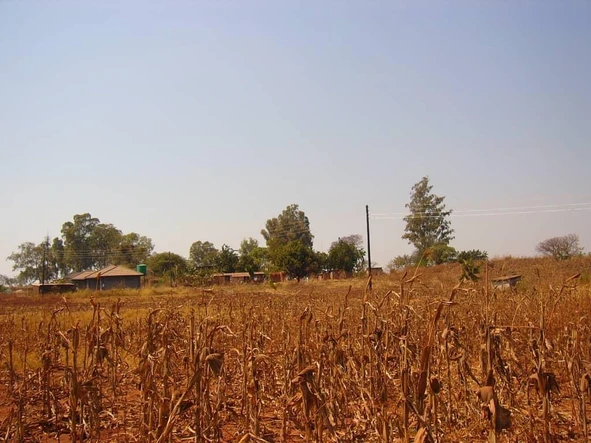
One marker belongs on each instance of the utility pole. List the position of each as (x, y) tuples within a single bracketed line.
[(43, 274), (170, 267), (368, 245)]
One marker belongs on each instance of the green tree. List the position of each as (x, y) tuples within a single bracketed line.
[(85, 244), (28, 261), (226, 260), (103, 244), (58, 256), (165, 264), (203, 255), (288, 237), (133, 249), (252, 257), (35, 262), (439, 254), (297, 259), (345, 254), (77, 238), (427, 225), (320, 262), (291, 225)]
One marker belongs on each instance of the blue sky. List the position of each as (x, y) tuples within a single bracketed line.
[(191, 120)]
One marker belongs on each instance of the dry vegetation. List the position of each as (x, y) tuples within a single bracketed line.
[(419, 358)]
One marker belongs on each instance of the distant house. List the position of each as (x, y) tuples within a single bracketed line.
[(277, 277), (237, 277), (110, 277), (505, 282), (54, 288), (376, 271), (334, 274), (78, 278)]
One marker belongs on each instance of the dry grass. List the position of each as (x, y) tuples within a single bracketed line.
[(419, 358)]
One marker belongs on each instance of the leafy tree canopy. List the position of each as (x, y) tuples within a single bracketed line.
[(346, 254), (289, 242), (253, 258), (427, 224), (291, 225), (85, 244), (29, 261), (203, 254), (226, 260), (163, 264), (297, 259)]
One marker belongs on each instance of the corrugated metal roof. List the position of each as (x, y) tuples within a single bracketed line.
[(71, 275), (81, 275), (237, 274), (113, 271), (509, 277)]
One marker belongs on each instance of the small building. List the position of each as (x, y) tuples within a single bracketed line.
[(55, 288), (110, 277), (79, 279), (334, 274), (505, 282), (277, 277), (376, 271), (237, 277)]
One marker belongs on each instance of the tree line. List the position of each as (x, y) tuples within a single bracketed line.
[(86, 243)]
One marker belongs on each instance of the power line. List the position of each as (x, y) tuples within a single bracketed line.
[(461, 211), (490, 214)]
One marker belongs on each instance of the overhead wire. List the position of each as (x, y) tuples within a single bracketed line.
[(489, 210), (570, 207)]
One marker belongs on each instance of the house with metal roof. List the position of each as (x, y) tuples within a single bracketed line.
[(237, 277), (505, 282), (110, 277)]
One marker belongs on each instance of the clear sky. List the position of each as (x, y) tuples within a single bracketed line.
[(199, 120)]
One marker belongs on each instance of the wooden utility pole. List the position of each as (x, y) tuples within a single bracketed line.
[(368, 245), (170, 267), (43, 273)]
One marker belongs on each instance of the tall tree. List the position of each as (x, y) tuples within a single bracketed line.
[(346, 254), (34, 262), (289, 239), (165, 264), (59, 257), (252, 257), (203, 254), (77, 235), (133, 249), (226, 260), (354, 239), (85, 244), (291, 225), (428, 223), (297, 259), (103, 243)]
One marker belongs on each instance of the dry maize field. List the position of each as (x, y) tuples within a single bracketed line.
[(416, 358)]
